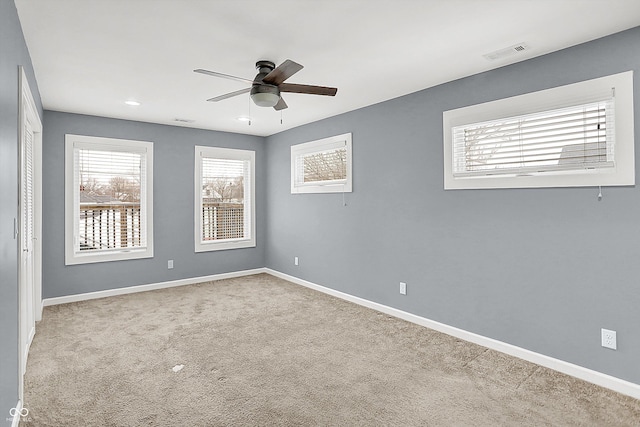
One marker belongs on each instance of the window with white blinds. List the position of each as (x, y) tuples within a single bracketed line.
[(575, 135), (322, 166), (569, 138), (225, 198), (108, 194)]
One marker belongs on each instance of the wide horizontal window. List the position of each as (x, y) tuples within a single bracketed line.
[(108, 199), (576, 135), (322, 166), (569, 138)]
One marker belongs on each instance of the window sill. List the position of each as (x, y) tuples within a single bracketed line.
[(89, 258), (225, 245)]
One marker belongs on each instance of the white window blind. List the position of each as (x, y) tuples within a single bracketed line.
[(224, 198), (109, 199), (322, 166), (578, 137), (109, 213), (223, 201)]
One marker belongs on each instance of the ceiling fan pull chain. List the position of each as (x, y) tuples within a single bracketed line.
[(280, 116)]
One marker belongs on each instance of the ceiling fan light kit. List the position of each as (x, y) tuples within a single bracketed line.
[(265, 95), (269, 82)]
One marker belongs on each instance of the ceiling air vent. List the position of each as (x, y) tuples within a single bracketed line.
[(506, 52)]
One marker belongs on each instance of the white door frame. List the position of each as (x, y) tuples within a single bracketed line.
[(29, 282)]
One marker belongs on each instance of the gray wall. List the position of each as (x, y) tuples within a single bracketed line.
[(543, 269), (13, 53), (173, 207)]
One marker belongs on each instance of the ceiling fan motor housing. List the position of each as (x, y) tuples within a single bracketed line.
[(265, 67), (264, 94)]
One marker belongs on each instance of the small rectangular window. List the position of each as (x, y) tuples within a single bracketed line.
[(225, 199), (575, 135), (322, 166), (108, 197)]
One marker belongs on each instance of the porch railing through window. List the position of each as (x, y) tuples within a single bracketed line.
[(222, 220), (110, 226)]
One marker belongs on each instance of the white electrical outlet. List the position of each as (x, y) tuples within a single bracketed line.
[(295, 260), (403, 288), (170, 264), (609, 339)]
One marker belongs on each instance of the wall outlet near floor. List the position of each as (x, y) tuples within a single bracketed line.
[(609, 339), (170, 264), (295, 260), (403, 288)]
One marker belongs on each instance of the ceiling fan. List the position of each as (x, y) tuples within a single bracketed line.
[(269, 83)]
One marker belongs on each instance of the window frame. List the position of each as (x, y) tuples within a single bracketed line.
[(319, 146), (623, 172), (73, 257), (231, 154)]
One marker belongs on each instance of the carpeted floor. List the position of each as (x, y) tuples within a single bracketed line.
[(261, 351)]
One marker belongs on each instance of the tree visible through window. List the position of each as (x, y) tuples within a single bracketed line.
[(108, 199), (224, 198), (109, 207), (563, 139), (322, 166), (325, 166)]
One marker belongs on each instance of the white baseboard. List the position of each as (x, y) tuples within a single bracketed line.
[(589, 375), (25, 357), (149, 287), (39, 310)]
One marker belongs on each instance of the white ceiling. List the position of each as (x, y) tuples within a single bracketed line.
[(92, 55)]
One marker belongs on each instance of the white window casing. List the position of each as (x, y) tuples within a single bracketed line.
[(575, 135), (108, 199), (322, 166), (224, 199)]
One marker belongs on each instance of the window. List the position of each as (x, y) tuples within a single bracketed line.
[(575, 135), (108, 199), (225, 199), (322, 166)]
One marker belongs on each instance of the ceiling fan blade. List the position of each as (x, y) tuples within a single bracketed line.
[(229, 95), (312, 90), (281, 105), (282, 72), (225, 76)]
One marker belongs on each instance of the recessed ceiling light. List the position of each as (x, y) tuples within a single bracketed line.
[(132, 103), (244, 119)]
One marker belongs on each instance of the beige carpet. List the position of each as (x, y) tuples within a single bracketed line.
[(260, 351)]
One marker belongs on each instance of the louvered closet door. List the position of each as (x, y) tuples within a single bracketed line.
[(27, 298)]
